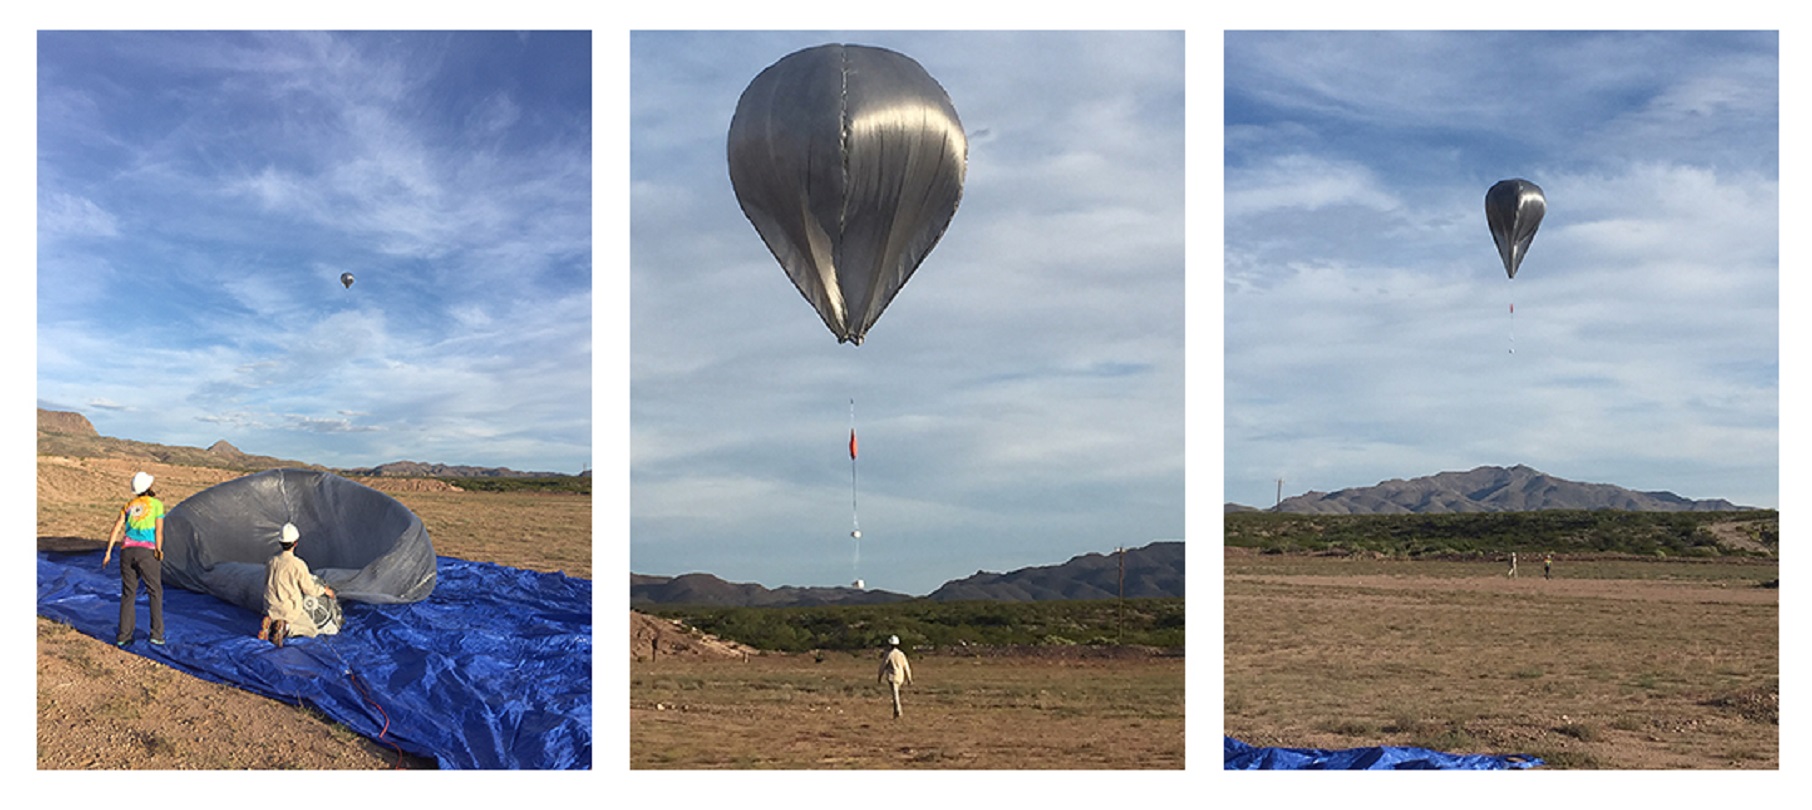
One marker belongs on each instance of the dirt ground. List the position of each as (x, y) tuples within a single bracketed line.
[(102, 707), (803, 711), (1612, 664)]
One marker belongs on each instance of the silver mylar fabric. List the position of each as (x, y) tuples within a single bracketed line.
[(849, 161), (1513, 209), (365, 544)]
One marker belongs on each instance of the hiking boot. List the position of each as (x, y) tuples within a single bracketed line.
[(278, 629), (264, 629)]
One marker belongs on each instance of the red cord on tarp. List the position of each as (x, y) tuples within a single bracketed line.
[(386, 715)]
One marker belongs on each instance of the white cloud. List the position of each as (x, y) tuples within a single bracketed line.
[(68, 216), (1304, 182)]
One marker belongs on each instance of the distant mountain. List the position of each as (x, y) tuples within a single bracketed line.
[(225, 449), (705, 589), (1154, 570), (1151, 571), (1489, 489), (417, 469), (65, 422), (66, 433)]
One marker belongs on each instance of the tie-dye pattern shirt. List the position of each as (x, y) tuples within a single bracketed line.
[(142, 514)]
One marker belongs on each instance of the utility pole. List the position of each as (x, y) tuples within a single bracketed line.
[(1120, 610)]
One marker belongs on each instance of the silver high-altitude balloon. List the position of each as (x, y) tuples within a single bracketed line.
[(1513, 209), (346, 280), (849, 162)]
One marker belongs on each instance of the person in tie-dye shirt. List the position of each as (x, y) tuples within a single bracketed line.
[(141, 528)]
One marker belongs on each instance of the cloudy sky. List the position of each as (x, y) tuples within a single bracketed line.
[(1020, 402), (1367, 315), (200, 194)]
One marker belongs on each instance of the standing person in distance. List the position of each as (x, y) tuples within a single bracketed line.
[(895, 671), (141, 528)]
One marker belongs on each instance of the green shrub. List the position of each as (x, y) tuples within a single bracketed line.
[(1478, 535), (920, 622)]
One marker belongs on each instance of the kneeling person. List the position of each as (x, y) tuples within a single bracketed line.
[(296, 603)]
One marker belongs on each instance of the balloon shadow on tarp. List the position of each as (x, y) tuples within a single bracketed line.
[(493, 671)]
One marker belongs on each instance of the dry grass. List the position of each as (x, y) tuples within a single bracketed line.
[(534, 531), (794, 711), (1614, 665)]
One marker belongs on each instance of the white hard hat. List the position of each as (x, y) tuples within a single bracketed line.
[(894, 640), (140, 482), (289, 533)]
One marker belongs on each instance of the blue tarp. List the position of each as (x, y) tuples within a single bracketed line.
[(492, 671), (1243, 757)]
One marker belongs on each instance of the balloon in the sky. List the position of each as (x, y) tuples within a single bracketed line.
[(849, 161), (346, 280), (1513, 209)]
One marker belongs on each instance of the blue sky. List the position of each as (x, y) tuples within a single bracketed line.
[(200, 193), (1020, 402), (1367, 321)]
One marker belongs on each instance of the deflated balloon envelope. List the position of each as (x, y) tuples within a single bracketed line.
[(849, 161), (365, 544), (1513, 210)]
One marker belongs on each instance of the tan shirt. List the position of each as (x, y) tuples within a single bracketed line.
[(286, 582), (894, 668)]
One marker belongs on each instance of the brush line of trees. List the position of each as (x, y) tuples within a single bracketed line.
[(1561, 531), (923, 623), (564, 484)]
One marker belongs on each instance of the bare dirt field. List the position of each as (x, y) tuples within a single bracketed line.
[(961, 712), (1613, 664), (102, 707)]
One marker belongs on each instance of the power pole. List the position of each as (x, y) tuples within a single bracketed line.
[(1120, 610)]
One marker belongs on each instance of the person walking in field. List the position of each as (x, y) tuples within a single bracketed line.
[(895, 670), (141, 526), (1547, 566), (1512, 571)]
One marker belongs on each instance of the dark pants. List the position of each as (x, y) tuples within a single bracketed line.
[(135, 564)]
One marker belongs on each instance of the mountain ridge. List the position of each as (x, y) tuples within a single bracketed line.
[(1152, 571), (69, 433), (1517, 488)]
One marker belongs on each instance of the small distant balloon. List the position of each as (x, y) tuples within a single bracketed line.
[(1513, 210), (346, 280)]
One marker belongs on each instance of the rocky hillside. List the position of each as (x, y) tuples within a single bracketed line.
[(1155, 570), (1488, 489), (65, 422), (652, 636), (417, 469), (64, 433), (705, 589)]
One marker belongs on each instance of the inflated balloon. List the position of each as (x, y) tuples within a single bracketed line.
[(1513, 209), (346, 280), (849, 161)]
